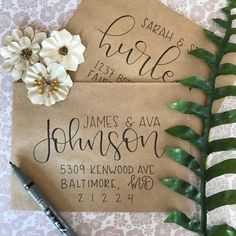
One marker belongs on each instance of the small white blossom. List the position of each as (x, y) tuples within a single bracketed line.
[(21, 51), (47, 85), (64, 48)]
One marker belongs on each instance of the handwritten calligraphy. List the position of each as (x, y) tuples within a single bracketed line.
[(58, 140), (138, 53)]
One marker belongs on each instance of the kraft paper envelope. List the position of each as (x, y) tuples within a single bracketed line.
[(136, 41), (102, 148)]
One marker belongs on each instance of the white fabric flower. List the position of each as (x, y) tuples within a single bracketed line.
[(47, 85), (21, 51), (64, 48)]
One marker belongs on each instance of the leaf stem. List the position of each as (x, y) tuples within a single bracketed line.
[(206, 132)]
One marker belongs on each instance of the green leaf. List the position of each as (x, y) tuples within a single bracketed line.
[(226, 10), (221, 230), (227, 69), (232, 4), (181, 219), (182, 188), (223, 145), (225, 167), (233, 31), (196, 82), (186, 133), (184, 158), (223, 23), (221, 199), (205, 55), (190, 108), (230, 47), (227, 117), (213, 37), (226, 91), (233, 17)]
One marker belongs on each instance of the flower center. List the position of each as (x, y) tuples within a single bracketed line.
[(63, 50), (26, 53), (43, 84)]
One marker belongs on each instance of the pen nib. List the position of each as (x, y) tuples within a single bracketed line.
[(11, 163)]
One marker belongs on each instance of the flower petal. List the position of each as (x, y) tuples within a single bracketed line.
[(29, 32), (34, 96), (34, 58), (16, 74), (7, 65), (76, 38), (15, 59), (48, 99), (50, 43), (8, 39), (79, 56), (62, 36), (70, 62), (23, 64), (13, 46), (48, 61), (57, 71), (52, 54), (57, 96), (25, 42), (76, 45), (35, 48), (5, 52), (17, 34), (68, 82), (33, 73), (61, 93), (39, 37), (39, 68), (23, 75), (30, 77)]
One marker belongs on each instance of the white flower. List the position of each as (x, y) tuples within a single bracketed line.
[(47, 85), (21, 51), (64, 48)]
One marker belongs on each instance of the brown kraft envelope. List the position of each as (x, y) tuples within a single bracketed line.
[(136, 41), (102, 148)]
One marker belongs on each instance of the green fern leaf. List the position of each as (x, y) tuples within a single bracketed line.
[(182, 188), (181, 219), (221, 230), (197, 82), (221, 22), (184, 158), (233, 17), (230, 47), (213, 37), (226, 10), (227, 69), (190, 108), (221, 199), (225, 92), (233, 31), (187, 134), (224, 167), (223, 118), (205, 55), (227, 144), (202, 141)]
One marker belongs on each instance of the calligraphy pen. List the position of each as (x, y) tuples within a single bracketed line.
[(43, 202)]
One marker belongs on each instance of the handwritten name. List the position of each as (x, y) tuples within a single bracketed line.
[(137, 54), (58, 140), (157, 29)]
